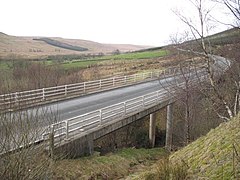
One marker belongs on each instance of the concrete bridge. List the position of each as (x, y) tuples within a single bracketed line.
[(86, 118)]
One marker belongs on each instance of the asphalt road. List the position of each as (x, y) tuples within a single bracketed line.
[(63, 110), (66, 109), (74, 107)]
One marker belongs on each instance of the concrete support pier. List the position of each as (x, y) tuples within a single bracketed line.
[(152, 129), (169, 127)]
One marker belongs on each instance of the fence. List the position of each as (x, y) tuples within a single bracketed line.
[(82, 123), (18, 100)]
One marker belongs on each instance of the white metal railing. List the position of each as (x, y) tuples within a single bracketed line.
[(93, 119), (19, 100), (85, 122), (76, 125)]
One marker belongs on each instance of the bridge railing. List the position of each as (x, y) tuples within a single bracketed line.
[(18, 100), (82, 123), (74, 126)]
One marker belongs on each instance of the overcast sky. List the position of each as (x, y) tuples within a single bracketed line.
[(143, 22)]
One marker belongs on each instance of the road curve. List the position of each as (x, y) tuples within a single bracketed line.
[(70, 108), (84, 104)]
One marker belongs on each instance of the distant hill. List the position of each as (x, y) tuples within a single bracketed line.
[(61, 44), (14, 47)]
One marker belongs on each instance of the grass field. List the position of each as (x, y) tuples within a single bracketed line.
[(80, 64), (119, 57), (138, 55), (88, 62)]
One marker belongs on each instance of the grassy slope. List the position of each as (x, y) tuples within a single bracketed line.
[(111, 166), (209, 157)]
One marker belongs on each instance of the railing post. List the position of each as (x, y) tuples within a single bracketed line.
[(125, 79), (43, 94), (100, 84), (100, 116), (113, 81), (157, 97), (67, 129), (51, 142), (124, 108), (65, 90), (84, 87), (143, 103), (16, 97)]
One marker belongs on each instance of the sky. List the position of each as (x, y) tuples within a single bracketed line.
[(141, 22)]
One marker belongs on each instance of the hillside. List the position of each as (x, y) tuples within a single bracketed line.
[(13, 47), (214, 156), (211, 156)]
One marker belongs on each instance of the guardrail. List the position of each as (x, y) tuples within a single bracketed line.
[(18, 100), (70, 127)]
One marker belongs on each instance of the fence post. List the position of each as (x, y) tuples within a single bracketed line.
[(113, 81), (43, 94), (67, 128), (65, 90), (100, 84), (125, 79)]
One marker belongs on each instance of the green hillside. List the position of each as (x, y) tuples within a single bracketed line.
[(214, 156)]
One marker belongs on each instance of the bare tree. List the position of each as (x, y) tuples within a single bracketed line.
[(21, 157), (22, 149), (199, 30), (233, 7), (183, 86)]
